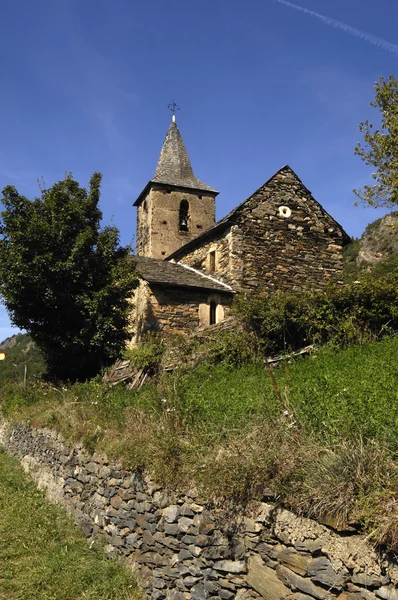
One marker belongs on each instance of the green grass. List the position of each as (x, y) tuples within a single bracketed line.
[(223, 429), (333, 393), (43, 556)]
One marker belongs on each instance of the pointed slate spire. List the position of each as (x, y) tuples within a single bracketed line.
[(174, 166)]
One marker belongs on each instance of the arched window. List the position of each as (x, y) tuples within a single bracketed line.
[(183, 215), (213, 312)]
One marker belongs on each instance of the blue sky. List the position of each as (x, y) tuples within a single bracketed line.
[(86, 84)]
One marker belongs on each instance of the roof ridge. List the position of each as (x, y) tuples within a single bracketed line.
[(224, 221), (202, 274)]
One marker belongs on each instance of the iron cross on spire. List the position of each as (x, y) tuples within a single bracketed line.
[(173, 107)]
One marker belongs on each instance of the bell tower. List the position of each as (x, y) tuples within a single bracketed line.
[(174, 207)]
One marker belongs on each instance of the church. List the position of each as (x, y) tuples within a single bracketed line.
[(191, 266)]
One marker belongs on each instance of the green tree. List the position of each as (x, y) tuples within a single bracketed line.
[(63, 279), (381, 147)]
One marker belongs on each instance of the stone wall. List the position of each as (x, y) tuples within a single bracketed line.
[(228, 256), (185, 549), (280, 238), (158, 233), (297, 251), (174, 309)]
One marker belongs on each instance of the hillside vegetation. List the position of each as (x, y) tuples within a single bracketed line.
[(20, 351), (375, 253)]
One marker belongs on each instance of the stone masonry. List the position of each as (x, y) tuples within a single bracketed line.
[(184, 548), (279, 238)]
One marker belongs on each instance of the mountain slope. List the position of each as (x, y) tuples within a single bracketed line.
[(376, 252), (20, 350)]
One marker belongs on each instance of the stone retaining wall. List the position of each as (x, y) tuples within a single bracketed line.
[(185, 550)]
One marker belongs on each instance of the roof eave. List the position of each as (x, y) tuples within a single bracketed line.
[(189, 287), (181, 187)]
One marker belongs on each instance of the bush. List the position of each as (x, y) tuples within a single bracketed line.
[(355, 313), (146, 354)]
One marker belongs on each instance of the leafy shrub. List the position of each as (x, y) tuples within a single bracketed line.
[(355, 313), (146, 354)]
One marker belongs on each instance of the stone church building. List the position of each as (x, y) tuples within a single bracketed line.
[(191, 266)]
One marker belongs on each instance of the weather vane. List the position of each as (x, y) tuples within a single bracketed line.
[(174, 107)]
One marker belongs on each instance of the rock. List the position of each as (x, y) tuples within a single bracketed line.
[(238, 550), (158, 583), (195, 550), (143, 523), (250, 525), (175, 595), (295, 561), (199, 592), (243, 594), (215, 552), (264, 580), (171, 528), (366, 580), (365, 594), (226, 594), (148, 538), (211, 586), (184, 555), (321, 570), (312, 546), (171, 513), (186, 511), (190, 581), (131, 539), (226, 583), (387, 592), (300, 596), (196, 507), (302, 584), (230, 566), (336, 523), (184, 524), (116, 540)]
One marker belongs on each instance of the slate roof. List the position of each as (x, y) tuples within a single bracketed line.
[(169, 273), (174, 166), (227, 220)]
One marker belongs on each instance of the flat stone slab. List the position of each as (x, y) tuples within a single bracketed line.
[(264, 580)]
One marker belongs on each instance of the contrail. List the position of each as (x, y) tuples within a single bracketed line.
[(367, 37)]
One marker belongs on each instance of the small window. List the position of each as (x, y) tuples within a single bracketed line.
[(212, 260), (213, 312), (183, 215), (199, 226), (144, 205)]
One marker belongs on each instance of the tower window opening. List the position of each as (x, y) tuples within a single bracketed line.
[(213, 312), (212, 261), (183, 215)]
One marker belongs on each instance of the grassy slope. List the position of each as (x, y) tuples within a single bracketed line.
[(43, 555), (224, 430)]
